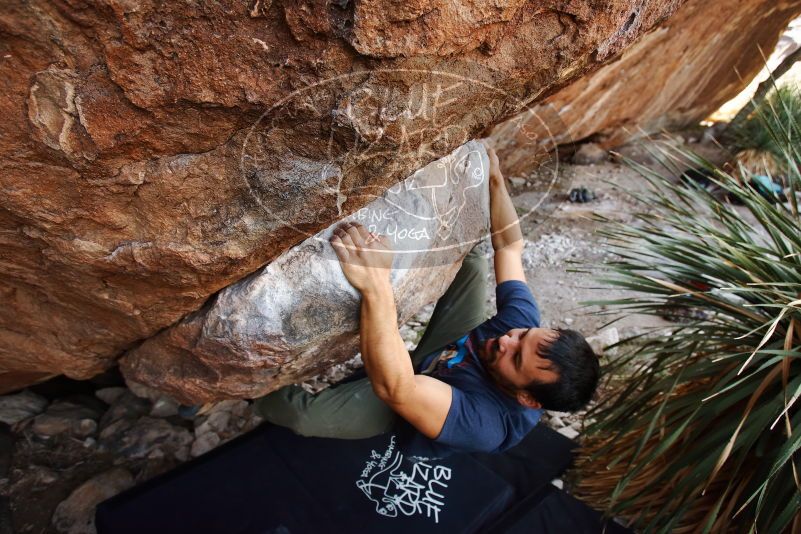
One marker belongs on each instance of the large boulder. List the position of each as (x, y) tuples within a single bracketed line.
[(674, 77), (299, 315), (152, 153)]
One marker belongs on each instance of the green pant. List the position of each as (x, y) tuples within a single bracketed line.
[(351, 410)]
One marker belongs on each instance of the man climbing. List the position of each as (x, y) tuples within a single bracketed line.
[(471, 384)]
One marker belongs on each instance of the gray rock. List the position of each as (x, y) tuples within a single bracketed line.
[(140, 438), (66, 417), (76, 514), (44, 476), (226, 405), (216, 422), (163, 404), (74, 410), (109, 395), (556, 422), (47, 425), (204, 444), (84, 428), (590, 153), (603, 339), (142, 391), (114, 429), (568, 432), (298, 315), (164, 407), (22, 405), (240, 409), (126, 406)]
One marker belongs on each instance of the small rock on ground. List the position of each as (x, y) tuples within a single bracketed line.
[(111, 394), (216, 422), (590, 153), (204, 444), (20, 406), (146, 437), (76, 514)]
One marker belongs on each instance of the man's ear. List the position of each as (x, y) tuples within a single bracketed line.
[(525, 398)]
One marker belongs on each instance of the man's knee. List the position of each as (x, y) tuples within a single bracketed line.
[(281, 407), (328, 414)]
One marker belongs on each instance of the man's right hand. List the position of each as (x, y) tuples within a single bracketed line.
[(366, 258)]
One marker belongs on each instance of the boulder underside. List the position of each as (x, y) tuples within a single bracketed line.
[(672, 78), (153, 153)]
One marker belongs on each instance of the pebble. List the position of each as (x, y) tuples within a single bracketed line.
[(227, 405), (126, 406), (216, 422), (558, 483), (47, 425), (204, 444), (76, 514), (164, 407), (85, 428), (548, 250), (77, 407), (603, 339), (568, 432), (144, 392), (109, 395), (240, 409), (20, 406), (589, 153), (44, 475), (138, 439)]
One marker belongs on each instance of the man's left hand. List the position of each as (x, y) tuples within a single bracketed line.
[(365, 257)]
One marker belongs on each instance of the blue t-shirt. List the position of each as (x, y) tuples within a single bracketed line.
[(481, 418)]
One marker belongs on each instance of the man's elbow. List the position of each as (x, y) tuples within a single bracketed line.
[(393, 393)]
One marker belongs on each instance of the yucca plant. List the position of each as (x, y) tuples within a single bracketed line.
[(753, 139), (701, 429)]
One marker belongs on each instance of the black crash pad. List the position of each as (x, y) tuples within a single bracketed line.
[(552, 510), (272, 481)]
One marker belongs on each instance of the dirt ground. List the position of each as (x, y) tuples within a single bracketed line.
[(562, 240)]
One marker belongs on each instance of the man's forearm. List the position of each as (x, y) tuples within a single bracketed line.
[(384, 353), (504, 222)]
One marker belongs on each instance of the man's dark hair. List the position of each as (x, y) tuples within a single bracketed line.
[(579, 370)]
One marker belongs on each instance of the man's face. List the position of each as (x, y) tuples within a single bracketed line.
[(513, 360)]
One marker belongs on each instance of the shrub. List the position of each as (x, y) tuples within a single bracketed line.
[(702, 427)]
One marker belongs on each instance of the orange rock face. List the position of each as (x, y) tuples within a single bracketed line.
[(673, 77), (153, 153)]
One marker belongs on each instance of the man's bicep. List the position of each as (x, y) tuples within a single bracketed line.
[(509, 264), (425, 405)]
